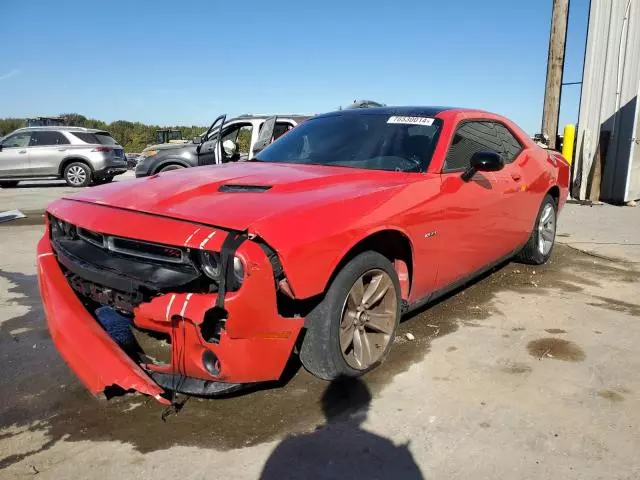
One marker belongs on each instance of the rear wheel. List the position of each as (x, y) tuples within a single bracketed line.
[(9, 184), (77, 174), (168, 168), (540, 245), (351, 331)]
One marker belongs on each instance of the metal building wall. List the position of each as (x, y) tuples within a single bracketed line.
[(609, 103)]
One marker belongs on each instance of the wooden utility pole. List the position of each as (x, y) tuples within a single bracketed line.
[(555, 67)]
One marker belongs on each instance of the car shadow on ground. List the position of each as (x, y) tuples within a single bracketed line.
[(53, 183), (341, 448)]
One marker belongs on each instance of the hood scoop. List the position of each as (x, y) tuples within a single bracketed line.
[(235, 188)]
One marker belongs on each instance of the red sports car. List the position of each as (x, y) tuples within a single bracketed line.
[(205, 279)]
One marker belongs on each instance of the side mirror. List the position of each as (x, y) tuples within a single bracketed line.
[(197, 139), (483, 162)]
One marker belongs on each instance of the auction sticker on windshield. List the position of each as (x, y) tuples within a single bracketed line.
[(426, 121)]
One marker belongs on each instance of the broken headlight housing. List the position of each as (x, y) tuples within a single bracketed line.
[(238, 270), (212, 266), (60, 228), (210, 263)]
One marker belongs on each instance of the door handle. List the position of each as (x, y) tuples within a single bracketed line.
[(516, 176), (62, 149), (22, 151)]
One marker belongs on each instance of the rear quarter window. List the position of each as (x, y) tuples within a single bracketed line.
[(106, 139), (100, 138), (511, 146)]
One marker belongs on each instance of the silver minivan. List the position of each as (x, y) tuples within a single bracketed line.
[(80, 156)]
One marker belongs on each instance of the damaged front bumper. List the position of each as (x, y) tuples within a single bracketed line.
[(210, 349)]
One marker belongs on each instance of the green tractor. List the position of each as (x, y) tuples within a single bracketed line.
[(46, 122), (169, 135)]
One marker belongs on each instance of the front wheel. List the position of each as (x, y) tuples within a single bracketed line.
[(168, 168), (540, 245), (351, 331)]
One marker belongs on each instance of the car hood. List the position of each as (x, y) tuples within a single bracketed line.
[(162, 147), (241, 196)]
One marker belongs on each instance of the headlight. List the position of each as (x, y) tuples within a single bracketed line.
[(60, 228), (238, 270), (210, 263), (149, 153), (56, 226), (211, 266)]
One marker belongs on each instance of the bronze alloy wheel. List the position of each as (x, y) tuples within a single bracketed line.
[(368, 319)]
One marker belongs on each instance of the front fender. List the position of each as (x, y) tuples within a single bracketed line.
[(159, 164), (310, 243)]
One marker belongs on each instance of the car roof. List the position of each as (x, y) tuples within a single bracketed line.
[(245, 116), (66, 129), (403, 110)]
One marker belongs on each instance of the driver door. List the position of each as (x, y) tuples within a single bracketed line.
[(475, 230), (209, 151)]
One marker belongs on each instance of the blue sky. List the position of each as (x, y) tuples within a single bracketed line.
[(184, 62)]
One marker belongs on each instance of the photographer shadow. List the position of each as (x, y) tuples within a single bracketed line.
[(341, 448)]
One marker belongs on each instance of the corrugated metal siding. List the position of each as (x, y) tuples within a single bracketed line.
[(611, 85), (634, 173)]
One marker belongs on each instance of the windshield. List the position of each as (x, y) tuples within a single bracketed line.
[(371, 141)]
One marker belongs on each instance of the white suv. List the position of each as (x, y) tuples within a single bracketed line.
[(81, 156)]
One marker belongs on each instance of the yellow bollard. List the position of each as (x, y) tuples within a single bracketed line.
[(568, 141)]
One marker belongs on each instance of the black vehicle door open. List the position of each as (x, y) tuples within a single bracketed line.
[(209, 150)]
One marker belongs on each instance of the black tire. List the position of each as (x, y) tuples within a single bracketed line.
[(78, 174), (171, 166), (532, 253), (9, 184), (320, 353)]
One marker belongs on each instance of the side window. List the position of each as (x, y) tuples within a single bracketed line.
[(280, 129), (241, 134), (470, 138), (244, 140), (511, 147), (41, 139), (19, 140)]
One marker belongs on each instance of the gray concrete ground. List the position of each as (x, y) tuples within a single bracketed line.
[(605, 229), (528, 373), (34, 196)]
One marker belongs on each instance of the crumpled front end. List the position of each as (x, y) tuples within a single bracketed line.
[(143, 269), (94, 357)]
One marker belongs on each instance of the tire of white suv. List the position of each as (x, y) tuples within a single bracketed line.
[(78, 174)]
